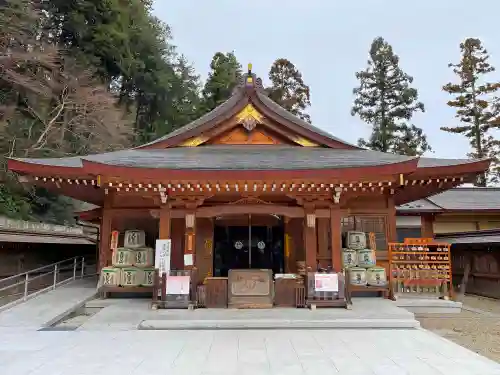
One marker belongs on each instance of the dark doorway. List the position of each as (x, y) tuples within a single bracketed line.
[(243, 247)]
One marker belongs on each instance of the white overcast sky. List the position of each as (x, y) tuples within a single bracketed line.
[(328, 40)]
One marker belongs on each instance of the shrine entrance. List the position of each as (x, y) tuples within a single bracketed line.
[(250, 242)]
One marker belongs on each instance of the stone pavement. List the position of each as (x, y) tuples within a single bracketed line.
[(255, 352), (46, 308)]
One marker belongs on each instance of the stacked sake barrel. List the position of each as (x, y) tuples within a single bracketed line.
[(132, 264), (361, 261)]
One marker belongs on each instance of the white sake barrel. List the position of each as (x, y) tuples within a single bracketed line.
[(110, 276), (148, 277), (123, 257), (357, 276), (131, 276), (349, 258), (356, 240), (376, 276), (143, 257), (366, 258), (134, 239)]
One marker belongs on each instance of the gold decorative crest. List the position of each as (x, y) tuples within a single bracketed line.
[(249, 117)]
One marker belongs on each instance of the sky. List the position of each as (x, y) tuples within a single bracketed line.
[(329, 41)]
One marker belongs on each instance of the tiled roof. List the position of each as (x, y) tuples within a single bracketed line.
[(234, 157), (462, 198)]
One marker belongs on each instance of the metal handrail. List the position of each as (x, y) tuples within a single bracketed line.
[(52, 265), (24, 278)]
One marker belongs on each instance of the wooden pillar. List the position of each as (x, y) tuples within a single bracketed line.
[(289, 247), (323, 230), (188, 260), (427, 225), (165, 225), (310, 240), (336, 238), (391, 221), (105, 254)]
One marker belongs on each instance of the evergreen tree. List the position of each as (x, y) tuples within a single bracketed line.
[(225, 73), (288, 88), (476, 107), (386, 101)]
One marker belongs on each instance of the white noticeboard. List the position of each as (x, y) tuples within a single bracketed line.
[(178, 284), (162, 255), (326, 282)]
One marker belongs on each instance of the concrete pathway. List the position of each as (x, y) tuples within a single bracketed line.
[(48, 307), (255, 352)]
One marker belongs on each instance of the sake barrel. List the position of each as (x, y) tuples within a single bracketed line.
[(131, 276), (148, 276), (349, 258), (376, 276), (355, 240), (134, 239), (366, 258), (110, 276), (357, 276), (143, 257), (123, 257)]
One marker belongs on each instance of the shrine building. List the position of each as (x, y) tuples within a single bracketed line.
[(248, 185)]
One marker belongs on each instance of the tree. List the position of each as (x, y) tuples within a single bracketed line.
[(288, 88), (476, 107), (386, 101), (225, 73), (51, 105)]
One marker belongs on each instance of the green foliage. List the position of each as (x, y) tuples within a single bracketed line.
[(386, 101), (288, 88), (225, 72), (476, 106)]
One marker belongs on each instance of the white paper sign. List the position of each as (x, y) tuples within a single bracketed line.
[(326, 282), (162, 255), (178, 285), (188, 259)]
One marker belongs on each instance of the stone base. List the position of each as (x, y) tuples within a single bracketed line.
[(429, 306)]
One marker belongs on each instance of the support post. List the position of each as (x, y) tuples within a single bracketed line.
[(74, 269), (310, 240), (83, 268), (336, 238), (26, 280), (427, 225), (55, 276), (104, 242), (391, 220), (165, 223)]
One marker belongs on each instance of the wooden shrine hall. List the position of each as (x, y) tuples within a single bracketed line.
[(248, 186)]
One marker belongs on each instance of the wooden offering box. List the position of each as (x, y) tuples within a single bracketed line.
[(250, 289), (216, 292), (285, 291)]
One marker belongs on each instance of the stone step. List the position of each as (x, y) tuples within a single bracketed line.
[(277, 324)]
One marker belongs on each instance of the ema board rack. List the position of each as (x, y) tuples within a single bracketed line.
[(420, 266)]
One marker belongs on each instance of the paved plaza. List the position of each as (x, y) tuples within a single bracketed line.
[(110, 345), (255, 352)]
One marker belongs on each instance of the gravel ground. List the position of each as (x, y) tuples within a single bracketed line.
[(477, 327)]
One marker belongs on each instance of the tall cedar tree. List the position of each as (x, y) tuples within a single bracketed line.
[(225, 72), (288, 88), (386, 101), (475, 105)]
